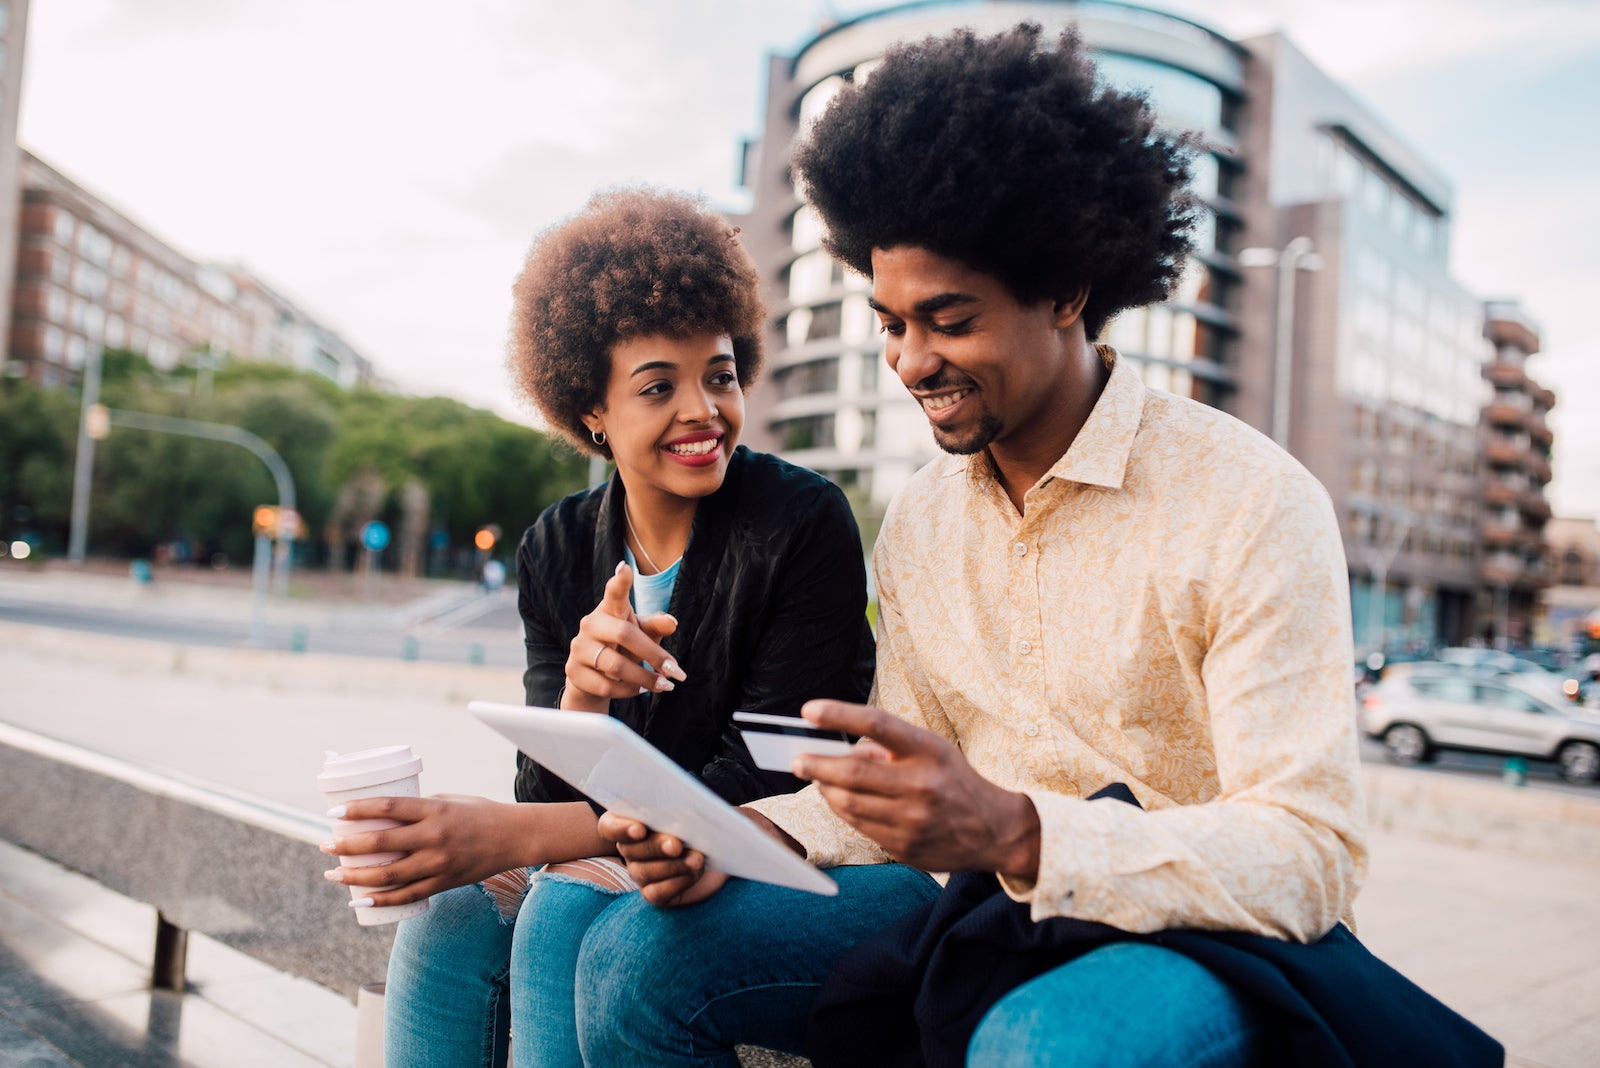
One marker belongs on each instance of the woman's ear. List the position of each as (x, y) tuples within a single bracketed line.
[(1069, 310), (593, 421)]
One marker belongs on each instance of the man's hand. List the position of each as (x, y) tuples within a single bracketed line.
[(916, 796), (607, 656), (668, 873)]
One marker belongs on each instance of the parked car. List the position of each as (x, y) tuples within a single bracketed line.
[(1418, 712)]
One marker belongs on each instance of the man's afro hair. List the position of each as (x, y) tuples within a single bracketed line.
[(1011, 158)]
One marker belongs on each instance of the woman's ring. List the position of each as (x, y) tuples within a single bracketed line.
[(597, 652)]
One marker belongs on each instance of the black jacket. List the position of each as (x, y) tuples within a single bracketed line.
[(912, 995), (771, 608)]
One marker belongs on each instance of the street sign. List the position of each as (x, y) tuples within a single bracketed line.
[(288, 524), (375, 535)]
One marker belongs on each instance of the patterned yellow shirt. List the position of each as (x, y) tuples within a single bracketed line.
[(1171, 612)]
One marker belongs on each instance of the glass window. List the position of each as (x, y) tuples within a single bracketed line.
[(808, 432), (1445, 689), (63, 227), (1503, 697), (818, 376), (825, 322), (1182, 101)]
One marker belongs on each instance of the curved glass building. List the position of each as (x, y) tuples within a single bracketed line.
[(1380, 389)]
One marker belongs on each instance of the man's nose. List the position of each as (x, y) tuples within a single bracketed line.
[(916, 357)]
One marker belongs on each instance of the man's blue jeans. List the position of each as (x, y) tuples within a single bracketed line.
[(745, 966)]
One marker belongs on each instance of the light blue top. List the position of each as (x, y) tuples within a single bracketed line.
[(651, 593)]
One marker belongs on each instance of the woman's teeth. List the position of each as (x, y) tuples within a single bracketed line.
[(696, 448)]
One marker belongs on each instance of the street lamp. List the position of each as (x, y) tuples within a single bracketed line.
[(1296, 255)]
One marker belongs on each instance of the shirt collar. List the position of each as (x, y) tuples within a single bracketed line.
[(1098, 456)]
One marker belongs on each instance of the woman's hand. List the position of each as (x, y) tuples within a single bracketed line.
[(669, 874), (608, 654), (453, 840)]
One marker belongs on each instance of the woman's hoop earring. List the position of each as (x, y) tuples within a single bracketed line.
[(599, 436)]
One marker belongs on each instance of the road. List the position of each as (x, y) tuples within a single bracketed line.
[(471, 627)]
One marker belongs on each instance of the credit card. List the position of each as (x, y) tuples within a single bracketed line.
[(774, 741)]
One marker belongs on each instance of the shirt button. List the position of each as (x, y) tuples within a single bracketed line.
[(1020, 548), (1031, 730), (1024, 647)]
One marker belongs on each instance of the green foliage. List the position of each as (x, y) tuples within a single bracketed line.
[(153, 487)]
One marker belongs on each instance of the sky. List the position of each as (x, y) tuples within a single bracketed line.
[(386, 164)]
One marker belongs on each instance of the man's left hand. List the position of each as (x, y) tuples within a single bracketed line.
[(916, 796)]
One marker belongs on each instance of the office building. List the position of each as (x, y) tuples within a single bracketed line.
[(88, 278), (1307, 195)]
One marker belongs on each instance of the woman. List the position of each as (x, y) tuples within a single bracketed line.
[(702, 579)]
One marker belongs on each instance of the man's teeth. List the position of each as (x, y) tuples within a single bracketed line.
[(937, 403), (695, 448)]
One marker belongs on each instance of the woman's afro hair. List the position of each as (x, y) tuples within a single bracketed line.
[(1011, 158), (633, 263)]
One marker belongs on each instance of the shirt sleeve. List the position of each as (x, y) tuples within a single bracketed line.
[(900, 689), (1280, 849)]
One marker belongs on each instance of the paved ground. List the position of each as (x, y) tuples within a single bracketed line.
[(1483, 893)]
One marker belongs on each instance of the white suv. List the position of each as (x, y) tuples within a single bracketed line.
[(1428, 708)]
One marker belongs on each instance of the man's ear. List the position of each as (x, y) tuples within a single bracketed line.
[(1069, 309)]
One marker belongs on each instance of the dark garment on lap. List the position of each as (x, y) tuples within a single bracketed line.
[(913, 994)]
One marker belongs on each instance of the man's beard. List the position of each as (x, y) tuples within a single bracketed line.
[(975, 440)]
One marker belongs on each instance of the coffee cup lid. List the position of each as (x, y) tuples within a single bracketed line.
[(368, 767)]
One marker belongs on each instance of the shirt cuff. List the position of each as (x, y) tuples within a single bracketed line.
[(829, 842), (1076, 877)]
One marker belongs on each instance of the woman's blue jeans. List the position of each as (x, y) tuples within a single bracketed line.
[(588, 976), (463, 978)]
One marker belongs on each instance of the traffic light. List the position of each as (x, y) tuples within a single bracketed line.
[(265, 521), (485, 538)]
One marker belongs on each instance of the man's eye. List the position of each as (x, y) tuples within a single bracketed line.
[(892, 329), (953, 329)]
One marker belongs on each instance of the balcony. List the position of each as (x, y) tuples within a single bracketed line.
[(1534, 505), (1506, 376), (1500, 536), (1498, 493), (1502, 413), (1503, 453), (1501, 569), (1538, 429), (1538, 467)]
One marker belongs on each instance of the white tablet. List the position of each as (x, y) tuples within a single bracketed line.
[(605, 760)]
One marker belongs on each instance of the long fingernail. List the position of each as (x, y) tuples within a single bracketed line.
[(362, 903), (663, 684), (334, 875), (643, 692), (620, 565), (671, 667), (328, 846), (336, 812)]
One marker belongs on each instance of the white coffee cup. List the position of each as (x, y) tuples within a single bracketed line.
[(391, 771)]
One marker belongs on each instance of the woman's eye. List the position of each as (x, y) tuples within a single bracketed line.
[(655, 389), (725, 379)]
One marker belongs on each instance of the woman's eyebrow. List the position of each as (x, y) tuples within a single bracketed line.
[(654, 365)]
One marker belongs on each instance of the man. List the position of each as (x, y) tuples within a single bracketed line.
[(1101, 584)]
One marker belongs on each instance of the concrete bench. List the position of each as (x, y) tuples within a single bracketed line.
[(240, 869)]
